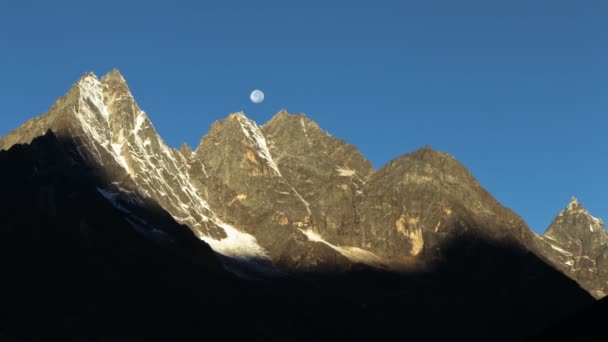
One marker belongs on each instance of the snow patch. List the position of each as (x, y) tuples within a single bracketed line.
[(255, 137), (352, 253), (91, 89), (113, 199), (117, 148), (237, 244), (139, 121), (562, 251), (344, 172), (305, 132)]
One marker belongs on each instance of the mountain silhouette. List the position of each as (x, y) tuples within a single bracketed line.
[(268, 232)]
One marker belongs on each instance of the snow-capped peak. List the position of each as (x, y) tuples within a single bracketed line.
[(91, 89)]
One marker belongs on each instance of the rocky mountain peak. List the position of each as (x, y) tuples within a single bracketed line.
[(238, 136), (292, 136), (428, 165), (113, 76), (89, 75), (284, 117), (81, 112), (430, 196), (577, 243), (575, 219), (186, 150), (433, 157), (574, 204), (576, 209), (96, 102)]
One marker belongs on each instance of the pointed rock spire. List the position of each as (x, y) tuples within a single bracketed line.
[(574, 204), (186, 150), (573, 221), (578, 243), (234, 130), (116, 86)]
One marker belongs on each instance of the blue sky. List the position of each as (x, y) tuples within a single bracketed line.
[(516, 90)]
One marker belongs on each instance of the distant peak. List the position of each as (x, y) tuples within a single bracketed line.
[(186, 150), (574, 220), (87, 76), (113, 76), (88, 84), (427, 153), (114, 73), (574, 204), (575, 207), (283, 116), (240, 114), (283, 113)]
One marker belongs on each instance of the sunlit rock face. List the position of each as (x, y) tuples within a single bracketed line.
[(247, 187), (577, 244)]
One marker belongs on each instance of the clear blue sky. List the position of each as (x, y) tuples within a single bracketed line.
[(517, 90)]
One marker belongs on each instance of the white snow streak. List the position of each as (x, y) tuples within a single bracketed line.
[(564, 252), (139, 121), (90, 88), (255, 137), (343, 172), (113, 199), (237, 244), (305, 132), (353, 253)]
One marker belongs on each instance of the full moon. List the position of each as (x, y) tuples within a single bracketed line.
[(257, 96)]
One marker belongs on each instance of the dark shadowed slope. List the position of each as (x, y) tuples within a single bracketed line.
[(85, 261), (586, 326)]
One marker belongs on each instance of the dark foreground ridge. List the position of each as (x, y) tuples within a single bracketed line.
[(586, 326), (82, 263)]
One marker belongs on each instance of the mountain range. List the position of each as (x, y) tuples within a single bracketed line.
[(279, 230)]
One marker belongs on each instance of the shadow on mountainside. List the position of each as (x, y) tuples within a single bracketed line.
[(586, 326), (77, 267)]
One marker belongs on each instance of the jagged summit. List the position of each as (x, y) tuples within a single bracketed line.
[(242, 132), (575, 207), (88, 74), (186, 150), (575, 210), (577, 243), (283, 115), (574, 204), (114, 74), (285, 120), (428, 154), (426, 164)]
